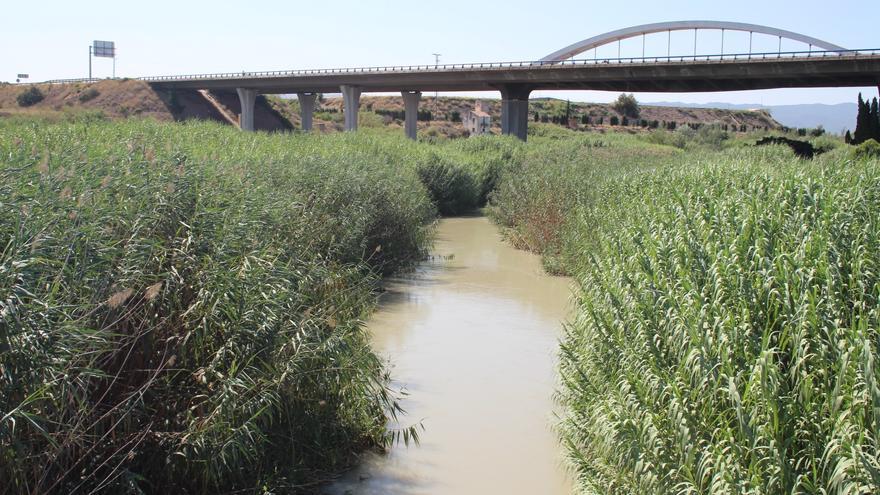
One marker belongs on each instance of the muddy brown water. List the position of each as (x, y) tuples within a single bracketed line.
[(472, 336)]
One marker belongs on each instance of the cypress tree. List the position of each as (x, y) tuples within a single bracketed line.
[(862, 123), (874, 121)]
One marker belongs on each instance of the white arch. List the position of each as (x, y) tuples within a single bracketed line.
[(631, 32)]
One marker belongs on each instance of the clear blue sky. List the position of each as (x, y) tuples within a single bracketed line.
[(50, 39)]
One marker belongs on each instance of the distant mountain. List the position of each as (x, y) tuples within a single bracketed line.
[(834, 118)]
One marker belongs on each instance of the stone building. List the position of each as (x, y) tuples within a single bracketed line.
[(477, 121)]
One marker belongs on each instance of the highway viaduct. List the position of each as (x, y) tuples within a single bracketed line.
[(832, 66)]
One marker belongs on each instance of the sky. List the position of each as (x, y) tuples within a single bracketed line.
[(50, 39)]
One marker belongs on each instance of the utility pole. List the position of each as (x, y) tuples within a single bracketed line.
[(436, 63), (90, 61)]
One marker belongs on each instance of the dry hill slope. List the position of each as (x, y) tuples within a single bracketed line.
[(124, 98)]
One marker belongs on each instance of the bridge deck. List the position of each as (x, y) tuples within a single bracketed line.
[(665, 74)]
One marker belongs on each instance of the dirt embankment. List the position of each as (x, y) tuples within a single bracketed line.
[(114, 98), (117, 99)]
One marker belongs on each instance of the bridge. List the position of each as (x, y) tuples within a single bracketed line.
[(828, 65)]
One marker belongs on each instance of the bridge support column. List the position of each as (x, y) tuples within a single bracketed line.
[(306, 109), (515, 110), (247, 98), (351, 99), (411, 110)]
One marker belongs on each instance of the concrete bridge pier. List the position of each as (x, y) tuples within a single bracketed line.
[(247, 98), (306, 109), (515, 110), (351, 99), (411, 110)]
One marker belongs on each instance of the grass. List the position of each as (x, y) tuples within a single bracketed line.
[(725, 336)]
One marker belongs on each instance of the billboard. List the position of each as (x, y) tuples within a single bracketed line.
[(104, 49)]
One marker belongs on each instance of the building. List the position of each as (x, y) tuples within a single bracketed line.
[(477, 121)]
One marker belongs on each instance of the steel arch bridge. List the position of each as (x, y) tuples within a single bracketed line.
[(828, 66), (667, 27)]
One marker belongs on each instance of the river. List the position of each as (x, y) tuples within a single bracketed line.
[(472, 337)]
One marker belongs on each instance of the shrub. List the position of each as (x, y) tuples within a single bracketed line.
[(711, 136), (30, 96), (866, 150), (452, 189), (88, 95)]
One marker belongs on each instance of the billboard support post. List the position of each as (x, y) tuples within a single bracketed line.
[(106, 49)]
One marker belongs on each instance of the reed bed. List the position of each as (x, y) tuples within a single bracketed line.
[(726, 329), (181, 306)]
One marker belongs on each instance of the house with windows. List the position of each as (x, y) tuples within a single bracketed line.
[(477, 121)]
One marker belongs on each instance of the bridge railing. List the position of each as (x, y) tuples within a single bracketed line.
[(531, 64)]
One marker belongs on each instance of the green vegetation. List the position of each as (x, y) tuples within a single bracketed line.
[(627, 106), (181, 305), (867, 122), (725, 338), (868, 149), (30, 96)]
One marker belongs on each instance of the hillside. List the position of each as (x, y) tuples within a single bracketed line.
[(116, 99), (449, 109), (833, 117)]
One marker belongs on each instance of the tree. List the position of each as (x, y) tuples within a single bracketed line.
[(867, 122), (847, 138), (861, 132), (627, 106), (874, 121)]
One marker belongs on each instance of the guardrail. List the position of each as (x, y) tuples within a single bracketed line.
[(727, 57), (80, 80)]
